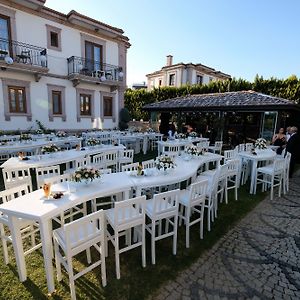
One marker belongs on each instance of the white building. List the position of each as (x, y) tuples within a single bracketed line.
[(180, 74), (67, 71)]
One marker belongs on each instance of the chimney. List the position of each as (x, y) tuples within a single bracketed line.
[(169, 60)]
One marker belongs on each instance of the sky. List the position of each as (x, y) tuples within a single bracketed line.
[(238, 37)]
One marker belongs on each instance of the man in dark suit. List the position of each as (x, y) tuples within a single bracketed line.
[(293, 146)]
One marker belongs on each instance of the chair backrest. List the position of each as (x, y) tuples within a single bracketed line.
[(204, 145), (198, 192), (98, 160), (230, 154), (223, 172), (166, 204), (240, 147), (279, 165), (148, 164), (45, 172), (219, 145), (14, 192), (111, 157), (130, 213), (105, 171), (130, 167), (16, 177), (171, 149), (58, 179), (85, 231), (233, 166), (82, 162), (248, 147), (126, 154)]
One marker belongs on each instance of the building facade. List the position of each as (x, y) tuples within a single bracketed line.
[(181, 74), (66, 71)]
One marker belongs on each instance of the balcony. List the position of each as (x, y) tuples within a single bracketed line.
[(23, 57), (87, 70)]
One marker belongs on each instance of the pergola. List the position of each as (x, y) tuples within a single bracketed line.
[(248, 113)]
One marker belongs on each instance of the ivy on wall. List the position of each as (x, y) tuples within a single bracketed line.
[(288, 88)]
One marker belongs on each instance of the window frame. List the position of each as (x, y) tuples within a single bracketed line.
[(199, 76), (54, 38), (91, 94), (16, 92), (51, 29), (59, 93), (172, 76), (62, 90), (89, 97), (110, 115)]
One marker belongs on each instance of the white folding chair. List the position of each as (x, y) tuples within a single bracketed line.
[(28, 228), (217, 147), (230, 154), (271, 175), (240, 147), (42, 173), (286, 182), (111, 159), (125, 157), (192, 201), (248, 147), (233, 177), (76, 237), (204, 145), (125, 216), (149, 164), (98, 161), (163, 206), (80, 162), (172, 150), (130, 167), (16, 177)]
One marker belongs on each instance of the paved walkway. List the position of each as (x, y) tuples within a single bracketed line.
[(258, 259)]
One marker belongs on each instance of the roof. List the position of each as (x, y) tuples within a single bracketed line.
[(241, 101)]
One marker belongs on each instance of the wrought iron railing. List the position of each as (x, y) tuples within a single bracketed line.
[(13, 51), (92, 68)]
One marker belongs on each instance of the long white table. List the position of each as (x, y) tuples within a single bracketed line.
[(33, 207), (57, 158), (261, 155)]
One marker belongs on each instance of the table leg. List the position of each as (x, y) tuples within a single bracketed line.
[(46, 236), (253, 174), (18, 247)]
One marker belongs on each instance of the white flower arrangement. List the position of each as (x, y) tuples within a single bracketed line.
[(49, 148), (193, 134), (25, 137), (86, 174), (192, 150), (93, 142), (180, 136), (164, 162), (261, 143), (61, 133)]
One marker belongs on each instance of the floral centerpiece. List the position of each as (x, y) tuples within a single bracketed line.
[(193, 134), (86, 175), (180, 136), (164, 162), (49, 148), (93, 142), (25, 137), (192, 150), (61, 134), (260, 144), (39, 131)]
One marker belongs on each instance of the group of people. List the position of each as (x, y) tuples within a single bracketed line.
[(288, 140)]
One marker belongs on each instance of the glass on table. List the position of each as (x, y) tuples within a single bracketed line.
[(47, 190)]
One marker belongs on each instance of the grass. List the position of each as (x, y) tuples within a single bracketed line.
[(136, 282)]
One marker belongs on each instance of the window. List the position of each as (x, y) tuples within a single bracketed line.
[(159, 82), (5, 33), (94, 56), (17, 99), (85, 105), (107, 106), (56, 103), (172, 80), (211, 79), (199, 79), (54, 39)]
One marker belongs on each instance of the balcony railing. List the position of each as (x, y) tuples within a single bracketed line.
[(13, 51), (95, 69)]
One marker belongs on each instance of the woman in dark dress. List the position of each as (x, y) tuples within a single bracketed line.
[(279, 139)]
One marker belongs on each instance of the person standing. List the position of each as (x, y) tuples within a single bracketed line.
[(293, 146), (279, 139), (288, 133)]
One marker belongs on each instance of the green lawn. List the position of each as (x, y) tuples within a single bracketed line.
[(136, 282)]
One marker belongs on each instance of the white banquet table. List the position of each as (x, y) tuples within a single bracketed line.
[(33, 207), (262, 155)]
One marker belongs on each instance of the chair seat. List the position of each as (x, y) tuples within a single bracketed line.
[(150, 208), (184, 197), (60, 234), (269, 170)]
